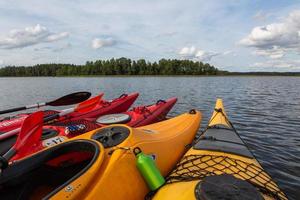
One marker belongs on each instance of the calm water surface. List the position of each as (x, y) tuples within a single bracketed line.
[(265, 110)]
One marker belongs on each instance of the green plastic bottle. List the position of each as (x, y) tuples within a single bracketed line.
[(148, 169)]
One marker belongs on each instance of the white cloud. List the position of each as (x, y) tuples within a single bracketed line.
[(188, 52), (57, 36), (197, 54), (1, 62), (30, 36), (99, 43), (283, 64), (276, 39), (275, 52)]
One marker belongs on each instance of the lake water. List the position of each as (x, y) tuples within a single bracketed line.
[(265, 110)]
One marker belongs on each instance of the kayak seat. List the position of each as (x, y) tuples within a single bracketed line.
[(223, 140), (22, 178)]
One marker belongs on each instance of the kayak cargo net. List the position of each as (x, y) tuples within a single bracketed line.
[(197, 167)]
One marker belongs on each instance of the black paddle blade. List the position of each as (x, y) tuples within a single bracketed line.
[(70, 99)]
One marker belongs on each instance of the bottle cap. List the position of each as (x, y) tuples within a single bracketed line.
[(137, 151)]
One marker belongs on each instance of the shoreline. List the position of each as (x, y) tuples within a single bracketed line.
[(118, 76)]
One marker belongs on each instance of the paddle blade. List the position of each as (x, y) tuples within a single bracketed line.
[(70, 99), (30, 133), (88, 104)]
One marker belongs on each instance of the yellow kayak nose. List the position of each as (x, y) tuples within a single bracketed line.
[(219, 116), (219, 166)]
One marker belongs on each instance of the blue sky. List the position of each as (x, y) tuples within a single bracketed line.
[(231, 35)]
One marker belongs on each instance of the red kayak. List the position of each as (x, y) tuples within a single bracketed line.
[(104, 107), (138, 116), (11, 123)]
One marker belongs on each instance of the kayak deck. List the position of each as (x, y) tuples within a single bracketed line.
[(223, 140), (218, 151), (221, 136)]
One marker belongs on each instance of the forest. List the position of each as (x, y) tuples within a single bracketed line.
[(119, 66)]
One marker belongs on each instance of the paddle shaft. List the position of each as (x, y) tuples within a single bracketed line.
[(6, 157), (65, 100), (47, 119), (58, 115), (9, 154), (22, 108), (9, 133), (37, 105)]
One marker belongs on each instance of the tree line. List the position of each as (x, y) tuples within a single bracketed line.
[(120, 66)]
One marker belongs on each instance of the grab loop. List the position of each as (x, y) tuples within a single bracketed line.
[(160, 101), (105, 103), (218, 110), (121, 148), (123, 95), (192, 111)]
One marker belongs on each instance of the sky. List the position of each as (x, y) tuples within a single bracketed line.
[(245, 35)]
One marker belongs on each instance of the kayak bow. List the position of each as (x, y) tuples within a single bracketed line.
[(219, 166)]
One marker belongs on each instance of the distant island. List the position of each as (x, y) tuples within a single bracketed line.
[(125, 66), (120, 66)]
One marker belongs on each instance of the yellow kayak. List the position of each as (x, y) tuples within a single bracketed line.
[(100, 164), (219, 166)]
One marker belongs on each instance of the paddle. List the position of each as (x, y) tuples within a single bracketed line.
[(81, 108), (29, 135), (69, 99)]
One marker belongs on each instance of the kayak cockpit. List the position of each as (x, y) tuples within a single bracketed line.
[(47, 172)]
